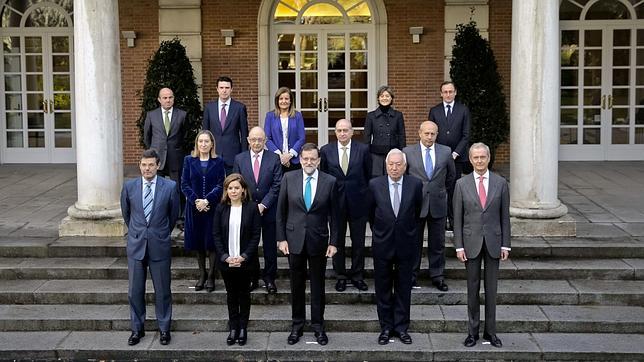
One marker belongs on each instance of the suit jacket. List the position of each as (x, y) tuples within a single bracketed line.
[(274, 137), (393, 235), (168, 146), (267, 188), (434, 190), (384, 131), (155, 235), (233, 138), (300, 227), (455, 131), (473, 223), (195, 184), (353, 188), (249, 233)]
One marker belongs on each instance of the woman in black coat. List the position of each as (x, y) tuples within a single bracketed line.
[(201, 179), (236, 231), (384, 130)]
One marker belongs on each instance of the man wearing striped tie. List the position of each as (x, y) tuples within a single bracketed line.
[(150, 207)]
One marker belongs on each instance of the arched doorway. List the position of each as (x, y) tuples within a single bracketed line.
[(330, 53), (602, 80), (37, 67)]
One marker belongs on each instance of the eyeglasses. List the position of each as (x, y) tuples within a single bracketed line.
[(258, 140)]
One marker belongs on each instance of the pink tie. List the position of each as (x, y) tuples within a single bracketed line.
[(222, 116), (482, 195), (256, 168)]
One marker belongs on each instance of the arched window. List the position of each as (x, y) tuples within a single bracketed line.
[(36, 13), (329, 12), (601, 9)]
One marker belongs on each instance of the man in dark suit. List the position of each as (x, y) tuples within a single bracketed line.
[(433, 164), (350, 163), (164, 131), (150, 207), (263, 173), (453, 120), (394, 219), (481, 232), (227, 120), (307, 232)]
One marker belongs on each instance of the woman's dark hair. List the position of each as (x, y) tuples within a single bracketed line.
[(230, 179)]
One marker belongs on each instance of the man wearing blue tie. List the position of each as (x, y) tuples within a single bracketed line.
[(150, 208)]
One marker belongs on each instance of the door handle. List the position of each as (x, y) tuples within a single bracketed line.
[(326, 105), (44, 106), (51, 106), (610, 101), (604, 102), (319, 104)]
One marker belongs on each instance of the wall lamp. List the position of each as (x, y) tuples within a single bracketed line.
[(228, 34), (130, 36), (416, 32)]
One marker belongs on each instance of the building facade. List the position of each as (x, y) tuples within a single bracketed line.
[(572, 70)]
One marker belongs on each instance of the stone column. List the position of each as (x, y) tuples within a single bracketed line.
[(534, 121), (99, 144)]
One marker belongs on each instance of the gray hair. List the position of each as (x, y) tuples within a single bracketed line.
[(479, 145), (395, 151)]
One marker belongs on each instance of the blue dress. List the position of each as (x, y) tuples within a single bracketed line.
[(198, 182)]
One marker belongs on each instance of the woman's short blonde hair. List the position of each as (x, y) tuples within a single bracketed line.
[(195, 151)]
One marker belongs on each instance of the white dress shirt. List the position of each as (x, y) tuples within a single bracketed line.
[(220, 103), (314, 184), (234, 227), (348, 146), (391, 190), (432, 152), (451, 107)]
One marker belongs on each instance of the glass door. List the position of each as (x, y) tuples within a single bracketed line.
[(37, 105), (328, 71), (602, 93)]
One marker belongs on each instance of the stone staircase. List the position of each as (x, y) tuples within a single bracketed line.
[(558, 299)]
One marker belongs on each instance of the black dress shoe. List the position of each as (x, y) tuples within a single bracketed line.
[(470, 341), (271, 288), (254, 285), (440, 285), (200, 283), (414, 284), (341, 285), (360, 285), (321, 338), (210, 285), (232, 337), (243, 336), (294, 337), (165, 338), (383, 338), (135, 338), (404, 337), (493, 339)]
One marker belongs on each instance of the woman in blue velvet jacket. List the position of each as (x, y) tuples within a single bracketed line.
[(201, 182), (284, 128)]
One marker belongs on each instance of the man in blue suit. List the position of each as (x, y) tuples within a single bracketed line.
[(394, 219), (453, 120), (433, 164), (263, 173), (350, 163), (150, 208), (227, 120)]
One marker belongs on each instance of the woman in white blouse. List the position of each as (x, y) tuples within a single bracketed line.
[(236, 231)]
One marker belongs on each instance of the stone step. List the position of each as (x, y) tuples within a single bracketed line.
[(338, 318), (265, 346), (186, 268), (510, 291), (521, 247)]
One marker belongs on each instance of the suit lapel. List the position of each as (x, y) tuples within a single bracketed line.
[(299, 189), (174, 122), (470, 187), (230, 115), (417, 153), (491, 190)]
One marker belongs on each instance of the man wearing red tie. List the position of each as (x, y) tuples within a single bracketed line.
[(481, 232)]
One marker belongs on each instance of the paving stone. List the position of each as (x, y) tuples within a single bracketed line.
[(535, 292), (638, 267), (600, 230), (574, 346), (625, 292), (348, 347), (509, 318), (632, 228), (516, 346), (594, 318), (573, 268), (30, 345), (13, 247)]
